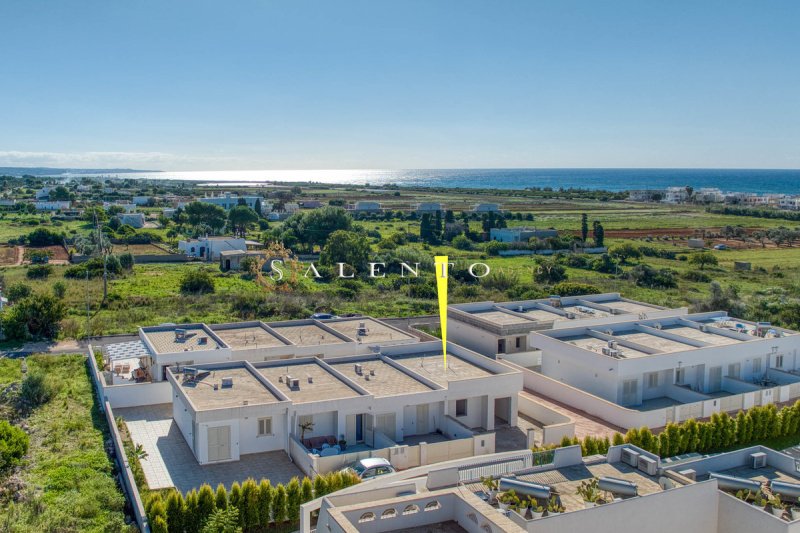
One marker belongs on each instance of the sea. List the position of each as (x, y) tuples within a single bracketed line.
[(608, 179)]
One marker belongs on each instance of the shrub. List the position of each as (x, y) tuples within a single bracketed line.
[(549, 272), (37, 389), (17, 292), (279, 504), (222, 520), (293, 500), (221, 497), (126, 260), (461, 242), (176, 509), (13, 445), (45, 237), (197, 282), (250, 515), (39, 271), (265, 501), (574, 289), (59, 289), (696, 275), (36, 316), (205, 503)]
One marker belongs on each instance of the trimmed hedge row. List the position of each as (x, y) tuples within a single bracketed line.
[(256, 507), (717, 434)]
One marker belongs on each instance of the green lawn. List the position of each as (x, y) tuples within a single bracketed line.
[(68, 478)]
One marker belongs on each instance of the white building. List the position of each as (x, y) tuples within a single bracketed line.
[(520, 234), (308, 406), (493, 328), (486, 208), (429, 207), (141, 200), (208, 248), (43, 193), (291, 207), (638, 492), (52, 205), (135, 220), (676, 195), (365, 206), (228, 201), (654, 371), (709, 195)]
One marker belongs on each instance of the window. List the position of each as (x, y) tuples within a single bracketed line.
[(733, 370), (411, 509), (388, 513), (652, 380), (366, 517), (501, 346), (778, 361), (680, 375), (757, 365), (264, 426), (519, 342), (432, 505), (461, 407)]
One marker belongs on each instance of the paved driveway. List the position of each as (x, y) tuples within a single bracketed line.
[(170, 462)]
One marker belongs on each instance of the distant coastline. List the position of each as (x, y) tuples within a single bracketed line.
[(55, 172), (760, 181)]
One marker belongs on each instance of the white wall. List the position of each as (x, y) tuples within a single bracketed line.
[(136, 394)]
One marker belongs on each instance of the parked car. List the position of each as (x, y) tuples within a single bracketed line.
[(370, 467), (323, 316), (721, 247)]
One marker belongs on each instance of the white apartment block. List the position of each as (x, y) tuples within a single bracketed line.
[(655, 371), (492, 328), (209, 248), (320, 408), (675, 195), (639, 493), (228, 201)]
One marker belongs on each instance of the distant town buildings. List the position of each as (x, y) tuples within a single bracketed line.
[(713, 195), (486, 208), (52, 205), (429, 207)]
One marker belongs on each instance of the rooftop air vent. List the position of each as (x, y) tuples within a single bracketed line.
[(362, 329), (371, 371), (294, 383), (202, 340), (180, 334), (227, 382), (310, 379), (358, 369)]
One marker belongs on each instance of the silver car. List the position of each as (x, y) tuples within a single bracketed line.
[(371, 467)]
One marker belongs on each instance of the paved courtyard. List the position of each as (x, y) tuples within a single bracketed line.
[(170, 462)]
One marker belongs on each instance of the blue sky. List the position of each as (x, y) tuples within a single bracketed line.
[(451, 84)]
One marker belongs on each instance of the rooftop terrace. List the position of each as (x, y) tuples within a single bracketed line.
[(316, 382), (306, 334), (207, 391), (431, 366), (248, 336), (181, 339), (380, 378), (374, 331)]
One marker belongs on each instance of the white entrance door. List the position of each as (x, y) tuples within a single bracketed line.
[(386, 424), (422, 419), (219, 443)]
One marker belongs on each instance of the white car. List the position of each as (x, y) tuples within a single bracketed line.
[(371, 467)]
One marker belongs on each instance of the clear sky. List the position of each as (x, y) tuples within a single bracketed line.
[(177, 85)]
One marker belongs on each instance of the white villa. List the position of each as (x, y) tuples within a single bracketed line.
[(228, 201), (209, 248)]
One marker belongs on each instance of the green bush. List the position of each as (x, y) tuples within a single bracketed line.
[(176, 511), (279, 504), (36, 316), (37, 389), (59, 289), (39, 271), (13, 445), (197, 282), (17, 292), (566, 288)]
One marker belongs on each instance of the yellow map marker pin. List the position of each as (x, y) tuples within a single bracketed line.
[(442, 265)]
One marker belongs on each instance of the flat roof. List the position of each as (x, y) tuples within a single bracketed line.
[(167, 341), (702, 336), (246, 388), (375, 331), (539, 314), (386, 380), (593, 344), (431, 366), (308, 334), (323, 386), (630, 306), (662, 344), (584, 311), (499, 317), (242, 338)]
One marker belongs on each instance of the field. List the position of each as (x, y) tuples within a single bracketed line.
[(67, 481), (139, 249)]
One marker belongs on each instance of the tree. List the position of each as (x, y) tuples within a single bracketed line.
[(549, 272), (265, 493), (17, 292), (210, 215), (703, 258), (599, 234), (60, 193), (37, 316), (205, 502), (221, 497), (176, 509), (59, 289), (240, 217), (45, 237), (249, 506), (197, 282), (258, 207), (346, 247), (312, 228), (279, 504), (625, 251), (293, 500), (461, 242), (584, 227)]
